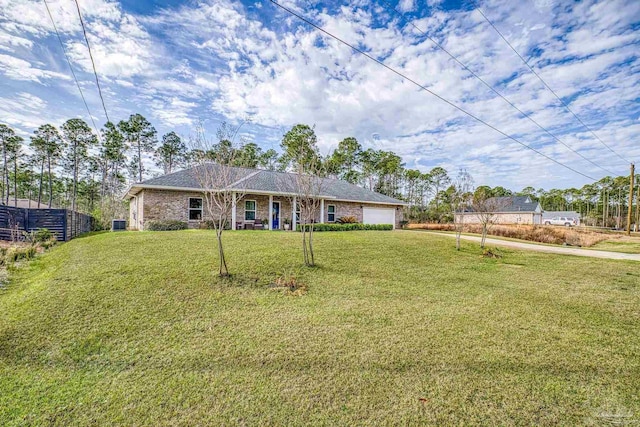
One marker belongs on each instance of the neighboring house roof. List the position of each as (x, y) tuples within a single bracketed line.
[(517, 204), (570, 214), (265, 182), (512, 204), (27, 204)]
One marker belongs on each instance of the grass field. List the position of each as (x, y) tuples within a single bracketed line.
[(396, 328), (630, 245)]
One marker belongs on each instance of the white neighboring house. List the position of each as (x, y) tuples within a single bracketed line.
[(549, 215), (513, 210)]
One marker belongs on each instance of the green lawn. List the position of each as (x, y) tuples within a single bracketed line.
[(396, 328), (630, 246)]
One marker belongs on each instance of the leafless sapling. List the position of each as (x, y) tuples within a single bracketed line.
[(221, 187)]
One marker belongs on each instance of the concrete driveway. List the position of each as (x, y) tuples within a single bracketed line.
[(562, 250)]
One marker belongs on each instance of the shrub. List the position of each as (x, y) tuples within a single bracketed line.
[(42, 235), (166, 225), (347, 227), (209, 224), (15, 254), (347, 220), (48, 243)]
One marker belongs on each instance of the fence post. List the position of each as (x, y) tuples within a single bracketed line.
[(64, 223)]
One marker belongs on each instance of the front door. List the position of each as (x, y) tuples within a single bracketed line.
[(275, 216)]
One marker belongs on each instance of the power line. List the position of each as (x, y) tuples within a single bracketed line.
[(64, 50), (545, 83), (452, 56), (95, 73), (426, 89)]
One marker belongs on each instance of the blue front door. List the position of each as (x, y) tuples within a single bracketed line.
[(275, 216)]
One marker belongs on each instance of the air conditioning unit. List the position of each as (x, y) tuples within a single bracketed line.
[(118, 224)]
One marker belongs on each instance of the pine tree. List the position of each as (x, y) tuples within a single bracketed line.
[(141, 136), (171, 153), (78, 138)]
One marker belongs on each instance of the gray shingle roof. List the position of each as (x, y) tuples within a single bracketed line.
[(266, 181), (516, 204)]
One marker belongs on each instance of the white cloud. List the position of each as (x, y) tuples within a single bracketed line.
[(19, 69), (219, 60)]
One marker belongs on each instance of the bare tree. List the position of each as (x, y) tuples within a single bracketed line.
[(486, 208), (308, 193), (461, 201), (305, 187), (222, 188)]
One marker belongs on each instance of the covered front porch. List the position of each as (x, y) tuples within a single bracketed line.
[(270, 212)]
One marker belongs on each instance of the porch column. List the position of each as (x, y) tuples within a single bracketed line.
[(233, 211), (270, 213), (293, 213), (321, 211)]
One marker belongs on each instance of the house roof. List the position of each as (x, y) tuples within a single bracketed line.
[(265, 182), (511, 204), (516, 204), (27, 203)]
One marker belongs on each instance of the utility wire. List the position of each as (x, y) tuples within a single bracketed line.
[(426, 89), (71, 68), (545, 83), (95, 73), (452, 56)]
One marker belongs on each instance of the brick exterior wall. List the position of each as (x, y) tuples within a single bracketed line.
[(154, 205)]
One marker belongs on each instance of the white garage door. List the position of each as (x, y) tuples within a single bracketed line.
[(379, 216)]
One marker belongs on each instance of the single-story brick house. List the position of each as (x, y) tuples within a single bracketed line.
[(509, 210), (267, 195)]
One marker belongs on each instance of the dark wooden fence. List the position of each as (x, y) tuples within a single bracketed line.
[(64, 223)]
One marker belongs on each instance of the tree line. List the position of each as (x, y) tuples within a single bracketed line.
[(73, 167)]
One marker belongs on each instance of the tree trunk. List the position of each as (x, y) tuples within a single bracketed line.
[(304, 243), (5, 178), (15, 180), (105, 172), (4, 167), (223, 271), (41, 180), (139, 160), (484, 235), (50, 180), (638, 208), (313, 262), (459, 227)]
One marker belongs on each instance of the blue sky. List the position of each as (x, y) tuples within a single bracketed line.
[(178, 63)]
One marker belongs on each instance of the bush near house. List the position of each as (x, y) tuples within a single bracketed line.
[(348, 227), (166, 225)]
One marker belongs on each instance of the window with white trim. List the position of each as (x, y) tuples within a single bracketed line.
[(297, 212), (250, 210), (195, 208), (331, 213)]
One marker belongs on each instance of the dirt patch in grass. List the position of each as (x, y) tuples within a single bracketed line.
[(289, 286), (533, 233)]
